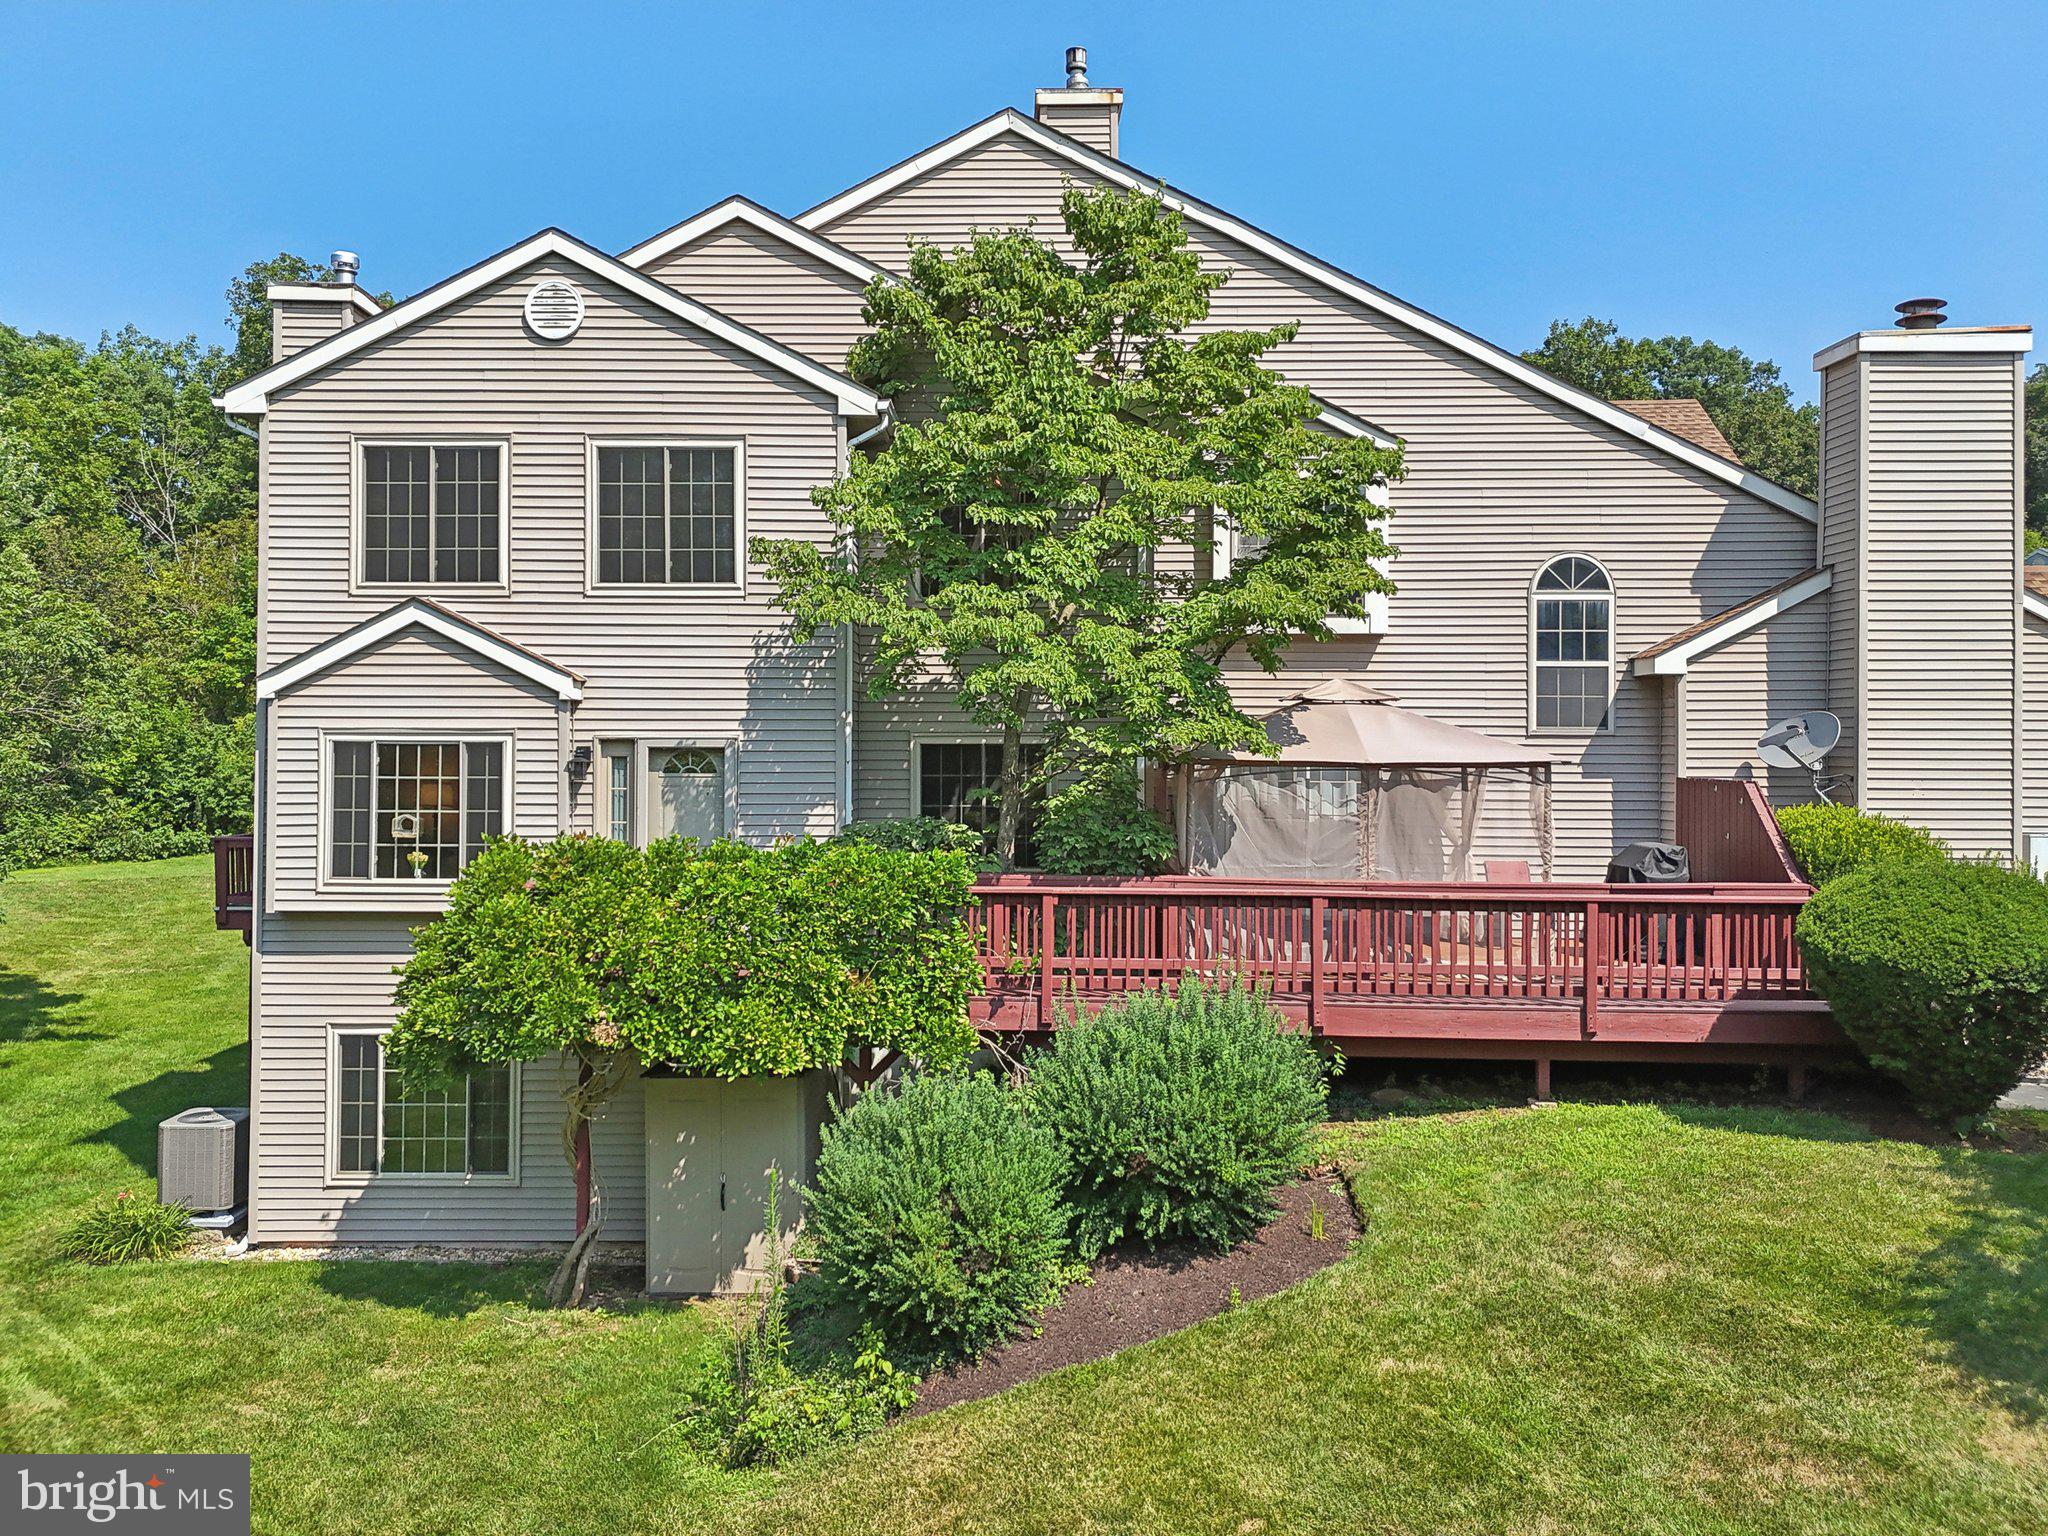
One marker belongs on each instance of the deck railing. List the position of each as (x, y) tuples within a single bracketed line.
[(1317, 945), (234, 881)]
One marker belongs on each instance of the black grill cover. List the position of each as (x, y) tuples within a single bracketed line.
[(1650, 864)]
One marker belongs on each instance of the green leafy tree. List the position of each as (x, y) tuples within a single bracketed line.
[(1748, 399), (2037, 456), (720, 960), (249, 305), (1069, 425)]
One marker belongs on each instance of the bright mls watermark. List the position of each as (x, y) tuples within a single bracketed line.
[(163, 1495)]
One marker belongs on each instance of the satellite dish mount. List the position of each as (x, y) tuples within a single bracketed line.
[(1804, 741)]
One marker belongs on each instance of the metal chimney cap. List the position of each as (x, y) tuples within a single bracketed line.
[(1921, 314), (1077, 69), (344, 265)]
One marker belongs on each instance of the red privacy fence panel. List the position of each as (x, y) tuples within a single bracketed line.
[(1727, 826)]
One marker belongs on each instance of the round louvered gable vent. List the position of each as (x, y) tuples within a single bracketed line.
[(554, 310)]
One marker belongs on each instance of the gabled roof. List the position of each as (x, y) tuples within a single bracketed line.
[(252, 396), (1688, 418), (744, 210), (1342, 422), (420, 613), (2034, 590), (1674, 654), (1011, 121)]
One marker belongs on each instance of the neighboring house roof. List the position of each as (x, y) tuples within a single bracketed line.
[(1011, 121), (2034, 590), (420, 613), (744, 210), (252, 396), (1674, 654), (1688, 418)]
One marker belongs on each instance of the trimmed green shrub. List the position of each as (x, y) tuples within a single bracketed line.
[(1102, 826), (1829, 841), (1938, 970), (124, 1229), (919, 834), (1179, 1114), (936, 1212)]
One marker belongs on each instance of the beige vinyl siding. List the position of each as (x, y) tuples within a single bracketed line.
[(1501, 478), (321, 972), (748, 274), (1091, 123), (1941, 645), (296, 324), (1841, 549), (674, 664), (2034, 733), (418, 685), (1734, 695)]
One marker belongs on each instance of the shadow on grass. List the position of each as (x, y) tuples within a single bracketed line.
[(29, 1010), (444, 1290), (1983, 1290), (221, 1080)]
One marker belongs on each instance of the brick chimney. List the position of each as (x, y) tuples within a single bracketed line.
[(303, 313), (1080, 110), (1920, 502)]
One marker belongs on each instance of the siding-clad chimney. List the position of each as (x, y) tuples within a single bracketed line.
[(1082, 111), (303, 313), (1920, 492)]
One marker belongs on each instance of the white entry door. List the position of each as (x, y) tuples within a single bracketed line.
[(686, 793)]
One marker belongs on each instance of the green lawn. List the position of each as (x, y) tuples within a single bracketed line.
[(1628, 1319)]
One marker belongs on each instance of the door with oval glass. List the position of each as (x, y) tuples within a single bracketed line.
[(686, 793)]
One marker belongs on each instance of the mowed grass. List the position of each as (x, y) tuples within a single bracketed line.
[(1628, 1319)]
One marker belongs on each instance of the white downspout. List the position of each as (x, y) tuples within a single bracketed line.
[(846, 657)]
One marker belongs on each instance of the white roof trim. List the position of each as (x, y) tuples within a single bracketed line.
[(2036, 608), (2004, 338), (1011, 121), (330, 653), (324, 293), (1341, 421), (742, 210), (252, 396), (1676, 661)]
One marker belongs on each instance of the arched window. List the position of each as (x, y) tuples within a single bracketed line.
[(1571, 630)]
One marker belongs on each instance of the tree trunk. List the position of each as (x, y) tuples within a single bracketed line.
[(594, 1086), (1010, 799)]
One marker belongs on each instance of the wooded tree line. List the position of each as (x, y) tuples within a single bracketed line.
[(127, 587), (128, 540)]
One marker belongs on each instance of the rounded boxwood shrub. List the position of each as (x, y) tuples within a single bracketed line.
[(1938, 970), (1829, 841), (1179, 1114), (936, 1212)]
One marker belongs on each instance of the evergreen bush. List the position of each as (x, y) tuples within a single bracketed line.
[(936, 1212), (1829, 841), (1938, 970), (1179, 1114)]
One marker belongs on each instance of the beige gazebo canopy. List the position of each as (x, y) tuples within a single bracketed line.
[(1360, 788)]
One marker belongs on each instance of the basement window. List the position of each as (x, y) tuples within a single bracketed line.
[(463, 1129)]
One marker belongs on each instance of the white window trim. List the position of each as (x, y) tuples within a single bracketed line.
[(331, 883), (737, 587), (352, 1178), (1614, 669), (358, 489), (640, 804)]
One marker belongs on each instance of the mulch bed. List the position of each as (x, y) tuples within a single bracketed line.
[(1140, 1295)]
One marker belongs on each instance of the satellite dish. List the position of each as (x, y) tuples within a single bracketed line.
[(1804, 741)]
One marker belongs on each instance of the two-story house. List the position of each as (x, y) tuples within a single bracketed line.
[(505, 589)]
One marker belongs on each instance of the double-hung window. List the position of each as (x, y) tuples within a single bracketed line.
[(1571, 625), (667, 515), (431, 515), (460, 1129), (411, 810), (956, 781)]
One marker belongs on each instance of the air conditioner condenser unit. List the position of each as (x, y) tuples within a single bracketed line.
[(202, 1159)]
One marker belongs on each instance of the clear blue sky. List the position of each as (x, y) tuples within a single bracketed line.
[(1771, 175)]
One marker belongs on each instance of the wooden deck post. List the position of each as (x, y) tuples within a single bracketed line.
[(1318, 911), (1590, 1001), (1543, 1079), (1047, 905)]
